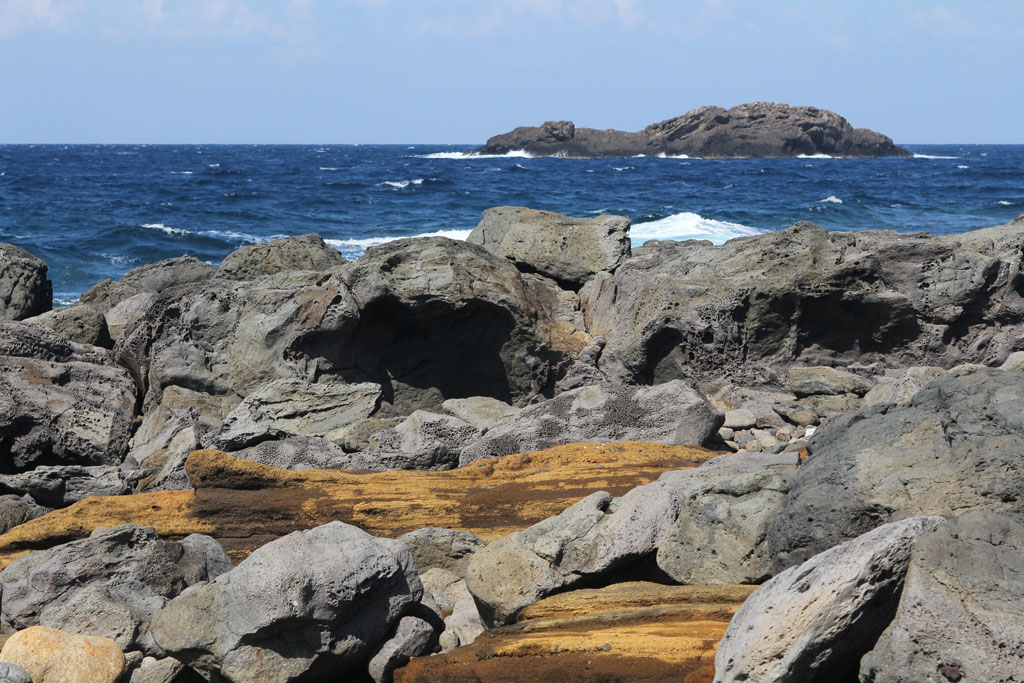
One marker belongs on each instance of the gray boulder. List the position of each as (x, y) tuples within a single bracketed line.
[(61, 403), (15, 510), (422, 441), (437, 548), (12, 673), (961, 614), (109, 584), (309, 604), (814, 622), (152, 278), (60, 486), (412, 638), (901, 386), (292, 407), (301, 252), (127, 312), (299, 453), (596, 535), (24, 289), (825, 380), (153, 670), (807, 296), (955, 446), (566, 249), (82, 324), (670, 413), (721, 533), (483, 412)]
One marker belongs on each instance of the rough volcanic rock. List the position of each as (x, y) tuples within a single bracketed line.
[(805, 296), (816, 620), (721, 533), (961, 614), (152, 278), (589, 539), (301, 252), (299, 453), (825, 381), (306, 604), (671, 413), (53, 486), (483, 412), (630, 631), (52, 656), (449, 549), (292, 407), (24, 289), (901, 386), (153, 670), (110, 584), (61, 403), (566, 249), (83, 324), (412, 637), (422, 441), (757, 129), (15, 510), (246, 504), (12, 673), (955, 446)]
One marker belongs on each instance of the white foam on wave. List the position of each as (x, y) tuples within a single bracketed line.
[(328, 168), (932, 156), (401, 184), (623, 168), (181, 172), (962, 166), (663, 155), (224, 235), (815, 156), (514, 154), (690, 226), (166, 228), (213, 165), (364, 243), (1003, 202), (831, 199)]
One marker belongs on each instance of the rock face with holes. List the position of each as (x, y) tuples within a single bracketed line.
[(805, 296), (24, 289), (301, 252), (961, 614), (756, 129), (954, 446), (566, 249), (61, 403)]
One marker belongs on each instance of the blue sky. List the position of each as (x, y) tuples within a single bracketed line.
[(418, 71)]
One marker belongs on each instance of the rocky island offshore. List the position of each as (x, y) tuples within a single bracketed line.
[(538, 454), (758, 129)]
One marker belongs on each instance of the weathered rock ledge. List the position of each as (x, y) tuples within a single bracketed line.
[(757, 129)]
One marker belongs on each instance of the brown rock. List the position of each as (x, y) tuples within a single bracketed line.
[(626, 631), (245, 504), (53, 656)]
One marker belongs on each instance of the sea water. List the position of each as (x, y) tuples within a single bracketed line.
[(96, 211)]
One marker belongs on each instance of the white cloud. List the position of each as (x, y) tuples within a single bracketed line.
[(18, 15)]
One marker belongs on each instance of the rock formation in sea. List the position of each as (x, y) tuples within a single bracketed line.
[(756, 129), (540, 453)]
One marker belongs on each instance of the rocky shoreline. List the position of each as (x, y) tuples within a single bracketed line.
[(756, 129), (796, 456)]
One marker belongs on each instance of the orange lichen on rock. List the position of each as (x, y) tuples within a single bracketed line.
[(245, 504), (626, 631)]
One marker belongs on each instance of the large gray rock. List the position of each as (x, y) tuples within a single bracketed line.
[(814, 622), (109, 585), (670, 413), (422, 441), (567, 249), (82, 323), (721, 533), (596, 535), (755, 129), (825, 380), (902, 385), (60, 486), (806, 296), (483, 412), (12, 673), (448, 549), (292, 407), (15, 510), (61, 403), (301, 252), (961, 614), (299, 453), (24, 289), (151, 278), (955, 446), (307, 604), (412, 638)]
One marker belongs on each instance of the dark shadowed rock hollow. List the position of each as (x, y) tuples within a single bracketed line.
[(756, 129)]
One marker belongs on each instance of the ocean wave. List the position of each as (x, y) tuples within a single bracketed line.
[(815, 156), (329, 168), (623, 168), (514, 154), (229, 236), (166, 229), (359, 245), (662, 155), (932, 156), (181, 172), (831, 199), (962, 166), (1003, 202), (690, 226), (401, 184)]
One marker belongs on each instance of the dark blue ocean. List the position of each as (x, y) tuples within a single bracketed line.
[(96, 211)]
